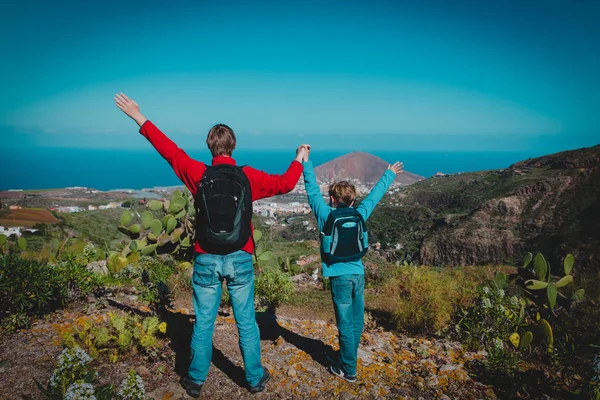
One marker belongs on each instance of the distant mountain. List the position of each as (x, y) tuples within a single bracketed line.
[(365, 167), (549, 204)]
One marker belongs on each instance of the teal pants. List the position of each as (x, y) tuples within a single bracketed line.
[(237, 271), (348, 294)]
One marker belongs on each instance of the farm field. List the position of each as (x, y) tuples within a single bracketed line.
[(28, 217)]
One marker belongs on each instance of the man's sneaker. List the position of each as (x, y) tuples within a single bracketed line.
[(191, 388), (261, 384), (337, 371)]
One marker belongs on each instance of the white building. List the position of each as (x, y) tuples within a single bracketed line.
[(10, 231)]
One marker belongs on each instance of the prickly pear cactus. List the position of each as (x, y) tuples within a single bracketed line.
[(542, 286), (166, 227)]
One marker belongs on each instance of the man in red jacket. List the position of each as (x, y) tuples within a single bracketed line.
[(210, 270)]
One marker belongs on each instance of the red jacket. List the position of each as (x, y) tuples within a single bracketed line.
[(190, 171)]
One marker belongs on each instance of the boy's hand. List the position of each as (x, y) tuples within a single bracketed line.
[(306, 152), (130, 108), (396, 168), (301, 152)]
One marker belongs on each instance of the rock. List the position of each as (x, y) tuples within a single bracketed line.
[(97, 267), (291, 372), (143, 370), (173, 391), (444, 397), (447, 368), (433, 381), (300, 278), (365, 357)]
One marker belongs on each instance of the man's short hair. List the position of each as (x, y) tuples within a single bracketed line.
[(343, 192), (221, 140)]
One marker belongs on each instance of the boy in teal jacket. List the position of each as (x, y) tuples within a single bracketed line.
[(346, 278)]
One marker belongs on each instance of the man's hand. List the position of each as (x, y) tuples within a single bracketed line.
[(130, 108), (302, 152), (396, 168)]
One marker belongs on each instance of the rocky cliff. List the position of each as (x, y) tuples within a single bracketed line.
[(549, 204)]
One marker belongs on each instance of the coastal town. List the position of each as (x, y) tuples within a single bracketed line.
[(21, 210)]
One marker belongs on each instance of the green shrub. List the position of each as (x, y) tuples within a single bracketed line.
[(158, 270), (425, 299), (73, 379), (117, 334), (492, 317), (272, 288), (30, 288)]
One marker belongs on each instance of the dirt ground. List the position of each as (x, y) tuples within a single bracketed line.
[(296, 351)]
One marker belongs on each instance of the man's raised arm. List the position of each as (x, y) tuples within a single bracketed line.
[(189, 171)]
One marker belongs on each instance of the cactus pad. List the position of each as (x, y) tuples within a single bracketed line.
[(568, 263), (156, 226), (177, 204), (135, 228), (534, 284), (527, 259), (126, 218), (171, 224), (552, 293), (548, 334), (564, 281), (149, 249), (541, 267), (147, 217), (526, 340), (154, 205)]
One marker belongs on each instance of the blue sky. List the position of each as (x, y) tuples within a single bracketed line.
[(442, 75)]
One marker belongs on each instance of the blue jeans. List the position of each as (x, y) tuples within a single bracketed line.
[(348, 294), (209, 272)]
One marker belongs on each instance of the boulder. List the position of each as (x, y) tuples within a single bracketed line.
[(98, 267)]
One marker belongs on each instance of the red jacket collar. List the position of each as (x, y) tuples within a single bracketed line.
[(223, 160)]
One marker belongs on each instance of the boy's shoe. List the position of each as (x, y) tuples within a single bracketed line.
[(337, 371), (191, 388), (261, 384)]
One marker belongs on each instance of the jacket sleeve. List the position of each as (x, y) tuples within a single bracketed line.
[(315, 199), (189, 171), (365, 208), (267, 185)]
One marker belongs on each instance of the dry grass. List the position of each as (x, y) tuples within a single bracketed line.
[(425, 299)]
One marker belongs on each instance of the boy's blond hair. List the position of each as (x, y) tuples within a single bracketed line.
[(221, 140), (343, 192)]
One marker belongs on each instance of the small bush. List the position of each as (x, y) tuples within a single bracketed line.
[(492, 317), (30, 288), (118, 334), (425, 299), (272, 288), (73, 379)]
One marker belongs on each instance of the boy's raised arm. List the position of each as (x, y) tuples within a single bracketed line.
[(188, 170), (313, 192), (365, 208)]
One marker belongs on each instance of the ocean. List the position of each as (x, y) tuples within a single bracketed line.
[(46, 168)]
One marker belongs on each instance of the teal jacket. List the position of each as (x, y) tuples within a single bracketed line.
[(322, 211)]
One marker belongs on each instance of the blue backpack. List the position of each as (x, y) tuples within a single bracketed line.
[(344, 237)]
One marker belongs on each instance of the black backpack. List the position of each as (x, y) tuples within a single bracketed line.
[(344, 237), (223, 205)]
